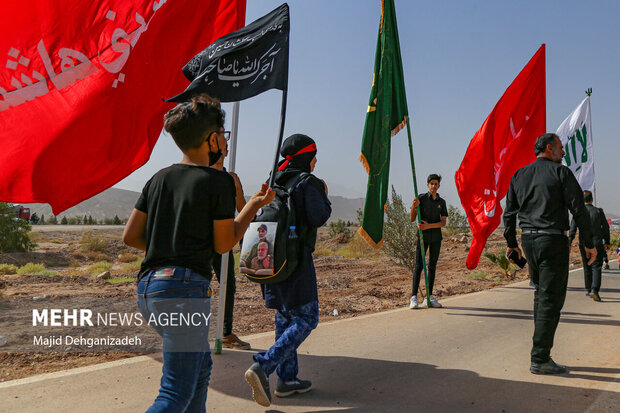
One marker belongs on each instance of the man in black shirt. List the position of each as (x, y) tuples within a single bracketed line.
[(433, 214), (600, 237), (541, 194)]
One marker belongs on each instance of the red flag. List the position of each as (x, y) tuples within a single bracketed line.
[(503, 144), (81, 90)]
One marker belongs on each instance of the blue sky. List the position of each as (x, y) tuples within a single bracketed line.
[(458, 58)]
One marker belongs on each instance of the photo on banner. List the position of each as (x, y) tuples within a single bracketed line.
[(257, 249)]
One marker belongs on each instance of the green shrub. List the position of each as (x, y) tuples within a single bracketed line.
[(501, 261), (6, 269), (92, 242), (399, 233), (14, 233), (99, 267), (31, 268), (457, 221), (339, 229)]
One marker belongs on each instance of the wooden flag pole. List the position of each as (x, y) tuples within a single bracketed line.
[(277, 156), (420, 236)]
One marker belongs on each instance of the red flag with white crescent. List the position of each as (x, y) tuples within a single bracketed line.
[(81, 88), (503, 144)]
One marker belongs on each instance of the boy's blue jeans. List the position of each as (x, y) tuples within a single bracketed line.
[(292, 328), (175, 301)]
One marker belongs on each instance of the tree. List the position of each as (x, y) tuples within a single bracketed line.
[(64, 220), (34, 219), (399, 233), (457, 221), (53, 220), (85, 220), (14, 233), (42, 220), (91, 221), (116, 220)]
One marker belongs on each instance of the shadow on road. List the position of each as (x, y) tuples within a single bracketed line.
[(367, 385)]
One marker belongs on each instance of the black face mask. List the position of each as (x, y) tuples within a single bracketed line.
[(215, 156)]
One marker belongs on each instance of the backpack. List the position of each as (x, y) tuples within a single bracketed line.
[(283, 242)]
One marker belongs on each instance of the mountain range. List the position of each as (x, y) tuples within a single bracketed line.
[(120, 202)]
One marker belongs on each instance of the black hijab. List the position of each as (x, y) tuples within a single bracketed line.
[(294, 162)]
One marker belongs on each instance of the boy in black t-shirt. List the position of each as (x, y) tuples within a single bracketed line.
[(433, 214), (184, 214)]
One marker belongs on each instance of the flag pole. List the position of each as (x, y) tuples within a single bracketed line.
[(277, 156), (589, 93), (420, 236), (221, 309)]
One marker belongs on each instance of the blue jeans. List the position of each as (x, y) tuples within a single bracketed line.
[(292, 328), (175, 301)]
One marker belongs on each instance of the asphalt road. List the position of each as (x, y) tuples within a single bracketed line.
[(470, 356)]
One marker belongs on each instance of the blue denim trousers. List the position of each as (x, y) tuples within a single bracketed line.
[(292, 328), (175, 301)]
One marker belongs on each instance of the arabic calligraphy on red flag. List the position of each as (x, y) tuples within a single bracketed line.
[(81, 88), (503, 144)]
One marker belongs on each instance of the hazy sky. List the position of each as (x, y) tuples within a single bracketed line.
[(459, 57)]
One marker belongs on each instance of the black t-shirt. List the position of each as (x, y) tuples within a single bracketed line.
[(431, 211), (181, 203)]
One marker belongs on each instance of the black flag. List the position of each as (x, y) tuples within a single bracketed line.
[(244, 63)]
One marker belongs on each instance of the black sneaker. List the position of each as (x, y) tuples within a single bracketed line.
[(549, 367), (257, 379), (595, 296), (288, 388)]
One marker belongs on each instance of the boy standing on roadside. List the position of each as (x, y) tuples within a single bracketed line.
[(434, 215), (184, 215)]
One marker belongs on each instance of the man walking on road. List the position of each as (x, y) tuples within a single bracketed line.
[(600, 233), (541, 194)]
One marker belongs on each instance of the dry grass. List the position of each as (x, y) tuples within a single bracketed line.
[(96, 256), (99, 267), (359, 248), (7, 269), (128, 257), (92, 242), (132, 266)]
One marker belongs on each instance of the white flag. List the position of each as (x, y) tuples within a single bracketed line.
[(576, 136)]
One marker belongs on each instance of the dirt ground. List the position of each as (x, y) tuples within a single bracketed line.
[(352, 279)]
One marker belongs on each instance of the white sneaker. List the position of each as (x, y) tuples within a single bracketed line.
[(413, 303), (435, 303)]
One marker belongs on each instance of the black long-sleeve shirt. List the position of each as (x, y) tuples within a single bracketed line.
[(600, 226), (541, 194)]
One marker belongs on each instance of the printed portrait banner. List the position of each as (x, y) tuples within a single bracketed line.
[(244, 63), (82, 87), (503, 144), (576, 136), (257, 252)]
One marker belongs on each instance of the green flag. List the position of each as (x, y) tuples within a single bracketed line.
[(386, 116)]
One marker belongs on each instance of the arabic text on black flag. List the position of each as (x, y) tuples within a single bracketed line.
[(244, 63)]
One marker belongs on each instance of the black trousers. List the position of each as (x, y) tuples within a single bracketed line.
[(434, 248), (547, 256), (231, 289), (592, 273)]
